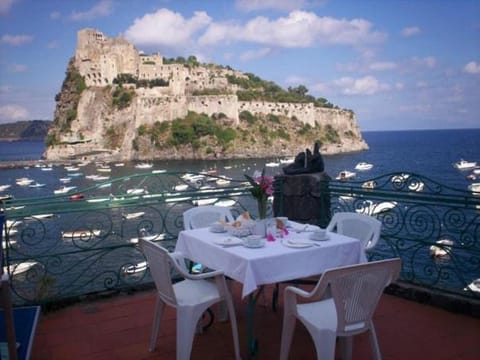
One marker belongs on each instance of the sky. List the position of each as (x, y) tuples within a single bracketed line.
[(398, 64)]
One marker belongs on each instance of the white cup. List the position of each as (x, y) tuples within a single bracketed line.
[(253, 240), (319, 234)]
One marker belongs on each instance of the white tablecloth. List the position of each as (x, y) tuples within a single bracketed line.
[(272, 263)]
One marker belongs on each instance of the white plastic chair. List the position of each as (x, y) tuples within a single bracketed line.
[(360, 226), (206, 215), (355, 292), (191, 297)]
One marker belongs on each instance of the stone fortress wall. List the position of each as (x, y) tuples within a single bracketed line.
[(100, 59)]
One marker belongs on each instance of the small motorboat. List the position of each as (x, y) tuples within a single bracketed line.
[(465, 165), (36, 185), (64, 189), (363, 166), (77, 197), (474, 285), (135, 215), (372, 184), (4, 187), (345, 175), (81, 234), (144, 165), (442, 249), (24, 181), (475, 188)]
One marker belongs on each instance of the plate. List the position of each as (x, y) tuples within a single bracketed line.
[(256, 246), (228, 241), (314, 238), (217, 230), (297, 243)]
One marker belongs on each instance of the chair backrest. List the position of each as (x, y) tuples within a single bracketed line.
[(356, 291), (204, 216), (160, 263), (360, 226)]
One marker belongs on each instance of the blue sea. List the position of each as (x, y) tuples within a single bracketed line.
[(429, 153)]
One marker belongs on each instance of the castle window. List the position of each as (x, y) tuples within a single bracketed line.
[(219, 103)]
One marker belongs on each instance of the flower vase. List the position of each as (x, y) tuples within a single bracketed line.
[(262, 208)]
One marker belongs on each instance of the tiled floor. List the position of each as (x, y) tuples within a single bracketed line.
[(119, 328)]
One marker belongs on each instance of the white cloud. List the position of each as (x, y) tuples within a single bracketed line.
[(288, 5), (167, 28), (298, 29), (410, 31), (13, 113), (382, 65), (18, 68), (421, 84), (101, 9), (16, 40), (472, 68), (367, 85), (255, 54), (52, 44), (428, 61), (5, 6), (55, 15)]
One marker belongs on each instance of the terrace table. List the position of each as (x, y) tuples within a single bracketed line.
[(275, 262)]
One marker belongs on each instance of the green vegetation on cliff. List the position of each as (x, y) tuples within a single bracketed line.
[(205, 135)]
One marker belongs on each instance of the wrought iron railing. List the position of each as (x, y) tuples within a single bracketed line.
[(79, 243)]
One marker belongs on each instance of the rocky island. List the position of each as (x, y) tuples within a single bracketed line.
[(118, 103)]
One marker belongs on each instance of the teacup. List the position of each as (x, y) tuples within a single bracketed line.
[(253, 241), (217, 227), (320, 234)]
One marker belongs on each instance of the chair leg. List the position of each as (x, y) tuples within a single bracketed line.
[(157, 318), (288, 328), (374, 343), (233, 323), (187, 320), (346, 346)]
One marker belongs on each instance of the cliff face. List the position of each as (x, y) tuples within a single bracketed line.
[(96, 118)]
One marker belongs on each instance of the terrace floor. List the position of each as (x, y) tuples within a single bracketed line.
[(119, 328)]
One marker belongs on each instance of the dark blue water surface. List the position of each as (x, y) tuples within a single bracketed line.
[(430, 153)]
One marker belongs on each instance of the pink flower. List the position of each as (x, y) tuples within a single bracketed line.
[(270, 237)]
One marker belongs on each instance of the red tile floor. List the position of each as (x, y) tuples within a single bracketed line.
[(119, 328)]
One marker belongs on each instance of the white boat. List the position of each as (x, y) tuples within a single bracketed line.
[(19, 268), (371, 184), (181, 187), (474, 187), (46, 168), (144, 165), (363, 166), (72, 168), (465, 165), (24, 181), (159, 171), (287, 160), (272, 164), (371, 208), (36, 185), (476, 171), (65, 180), (416, 186), (119, 164), (137, 191), (81, 234), (345, 175), (40, 216), (4, 187), (104, 169), (223, 181), (201, 202), (474, 285), (133, 269), (135, 215), (64, 189), (439, 251)]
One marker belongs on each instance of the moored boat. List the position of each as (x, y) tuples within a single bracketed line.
[(345, 175), (363, 166), (442, 249), (465, 165)]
